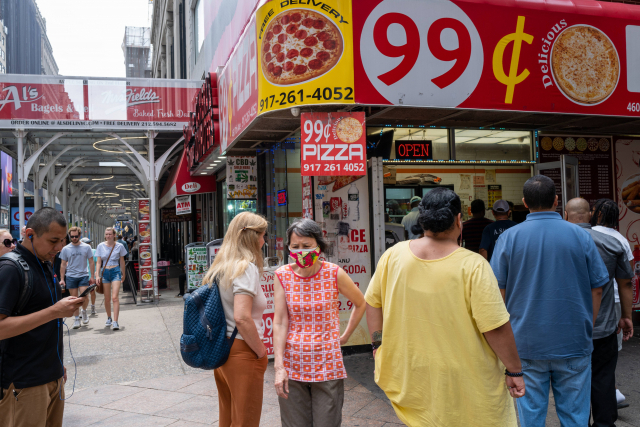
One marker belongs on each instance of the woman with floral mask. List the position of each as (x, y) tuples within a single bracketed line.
[(310, 372)]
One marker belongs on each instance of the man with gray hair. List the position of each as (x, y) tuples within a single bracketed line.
[(605, 343)]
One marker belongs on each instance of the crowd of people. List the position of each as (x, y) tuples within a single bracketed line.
[(458, 332)]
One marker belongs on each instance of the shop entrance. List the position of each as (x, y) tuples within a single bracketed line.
[(564, 173)]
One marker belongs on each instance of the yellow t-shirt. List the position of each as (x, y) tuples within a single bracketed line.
[(434, 363)]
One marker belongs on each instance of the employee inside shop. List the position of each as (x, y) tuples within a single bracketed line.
[(412, 218)]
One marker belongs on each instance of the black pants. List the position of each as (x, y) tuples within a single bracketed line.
[(604, 406), (182, 281)]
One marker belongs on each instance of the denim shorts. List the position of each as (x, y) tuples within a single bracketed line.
[(76, 282), (112, 275)]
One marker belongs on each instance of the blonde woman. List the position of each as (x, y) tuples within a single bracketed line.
[(110, 254), (237, 270)]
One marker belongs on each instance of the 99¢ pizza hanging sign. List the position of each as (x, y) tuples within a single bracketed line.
[(305, 53), (333, 144)]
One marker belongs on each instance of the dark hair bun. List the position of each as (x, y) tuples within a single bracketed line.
[(417, 229), (438, 210)]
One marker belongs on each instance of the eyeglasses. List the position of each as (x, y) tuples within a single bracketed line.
[(9, 242), (74, 237)]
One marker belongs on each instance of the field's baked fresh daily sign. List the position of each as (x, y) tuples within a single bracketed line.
[(333, 144), (305, 53), (491, 54)]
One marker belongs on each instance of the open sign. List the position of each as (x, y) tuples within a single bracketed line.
[(414, 150)]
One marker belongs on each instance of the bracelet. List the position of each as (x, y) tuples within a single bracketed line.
[(513, 374), (376, 344)]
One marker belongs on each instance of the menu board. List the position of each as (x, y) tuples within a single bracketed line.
[(196, 263), (595, 170), (242, 177), (145, 255)]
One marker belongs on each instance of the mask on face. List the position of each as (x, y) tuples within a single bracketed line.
[(305, 257)]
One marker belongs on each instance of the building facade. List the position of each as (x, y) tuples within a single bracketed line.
[(48, 63), (136, 47), (3, 48)]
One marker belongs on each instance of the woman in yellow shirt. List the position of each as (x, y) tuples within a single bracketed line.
[(440, 328)]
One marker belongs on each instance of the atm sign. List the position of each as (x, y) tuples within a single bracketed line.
[(414, 150)]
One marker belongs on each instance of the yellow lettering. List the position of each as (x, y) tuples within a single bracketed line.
[(498, 70)]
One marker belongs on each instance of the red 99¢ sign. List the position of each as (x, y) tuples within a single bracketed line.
[(333, 144)]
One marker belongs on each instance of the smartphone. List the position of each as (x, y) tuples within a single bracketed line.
[(87, 291)]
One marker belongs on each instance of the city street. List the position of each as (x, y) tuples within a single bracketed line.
[(135, 376)]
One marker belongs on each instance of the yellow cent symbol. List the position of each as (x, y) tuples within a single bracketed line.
[(513, 78)]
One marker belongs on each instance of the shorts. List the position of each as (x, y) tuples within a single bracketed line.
[(76, 282), (112, 275)]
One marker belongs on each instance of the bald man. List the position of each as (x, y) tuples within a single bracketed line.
[(605, 344)]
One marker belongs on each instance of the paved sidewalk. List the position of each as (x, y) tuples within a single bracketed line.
[(135, 377)]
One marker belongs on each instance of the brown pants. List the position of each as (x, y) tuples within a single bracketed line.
[(313, 404), (240, 382), (33, 406)]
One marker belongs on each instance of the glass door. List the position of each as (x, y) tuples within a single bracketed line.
[(564, 174)]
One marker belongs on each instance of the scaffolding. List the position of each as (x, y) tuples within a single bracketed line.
[(136, 47)]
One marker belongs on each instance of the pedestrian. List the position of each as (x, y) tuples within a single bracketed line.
[(111, 273), (93, 253), (22, 233), (32, 374), (411, 218), (551, 276), (8, 242), (605, 220), (134, 248), (182, 282), (236, 270), (73, 271), (472, 229), (124, 244), (440, 329), (309, 368), (501, 212), (605, 343)]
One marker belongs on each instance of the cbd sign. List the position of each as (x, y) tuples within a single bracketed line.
[(333, 144)]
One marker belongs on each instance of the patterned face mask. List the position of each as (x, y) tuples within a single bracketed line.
[(304, 257)]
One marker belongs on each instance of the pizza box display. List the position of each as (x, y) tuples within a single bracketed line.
[(145, 233)]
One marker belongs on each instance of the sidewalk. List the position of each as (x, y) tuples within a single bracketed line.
[(135, 376)]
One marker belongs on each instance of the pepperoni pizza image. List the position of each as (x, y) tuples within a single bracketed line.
[(300, 45)]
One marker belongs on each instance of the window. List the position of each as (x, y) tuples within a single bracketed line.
[(199, 27), (438, 137), (490, 145)]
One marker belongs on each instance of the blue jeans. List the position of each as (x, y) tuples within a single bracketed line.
[(76, 282), (112, 275), (571, 383)]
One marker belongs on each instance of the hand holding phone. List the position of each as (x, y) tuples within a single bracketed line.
[(87, 291)]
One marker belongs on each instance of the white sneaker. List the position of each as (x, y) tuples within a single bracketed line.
[(115, 326), (76, 324), (619, 396), (85, 317), (108, 322), (93, 310)]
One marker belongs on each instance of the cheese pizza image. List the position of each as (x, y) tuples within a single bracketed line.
[(299, 45), (585, 64), (349, 130)]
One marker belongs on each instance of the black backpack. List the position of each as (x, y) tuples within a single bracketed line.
[(26, 289)]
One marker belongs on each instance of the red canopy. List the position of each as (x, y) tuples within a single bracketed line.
[(182, 183)]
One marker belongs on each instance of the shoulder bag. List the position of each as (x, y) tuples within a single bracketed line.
[(100, 288)]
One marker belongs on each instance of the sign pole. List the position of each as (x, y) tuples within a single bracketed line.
[(153, 212)]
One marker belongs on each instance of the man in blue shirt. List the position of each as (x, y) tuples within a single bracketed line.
[(551, 276), (492, 231)]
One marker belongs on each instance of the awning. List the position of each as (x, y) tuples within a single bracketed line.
[(181, 183)]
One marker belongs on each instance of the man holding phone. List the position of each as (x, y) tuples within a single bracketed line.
[(73, 271)]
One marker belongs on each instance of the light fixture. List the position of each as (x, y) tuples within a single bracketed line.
[(230, 207), (217, 161), (203, 173), (222, 157), (101, 179), (210, 167), (80, 180), (113, 139)]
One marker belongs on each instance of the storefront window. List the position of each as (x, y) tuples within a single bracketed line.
[(492, 145), (383, 136)]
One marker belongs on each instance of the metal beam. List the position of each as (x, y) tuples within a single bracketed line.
[(28, 164), (42, 172)]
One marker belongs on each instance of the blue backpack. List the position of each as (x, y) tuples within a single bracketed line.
[(204, 343)]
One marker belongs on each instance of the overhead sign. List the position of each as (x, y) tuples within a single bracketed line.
[(305, 54), (560, 57), (53, 102), (333, 144), (242, 177), (183, 205), (191, 187), (414, 150), (238, 88), (118, 210)]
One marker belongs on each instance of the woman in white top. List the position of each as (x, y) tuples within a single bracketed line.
[(237, 270), (111, 254)]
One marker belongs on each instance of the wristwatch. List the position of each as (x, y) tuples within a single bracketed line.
[(376, 344), (513, 374)]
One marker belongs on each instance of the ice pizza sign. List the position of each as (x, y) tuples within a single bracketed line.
[(561, 57), (333, 144)]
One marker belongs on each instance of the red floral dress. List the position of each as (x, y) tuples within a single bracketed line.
[(312, 352)]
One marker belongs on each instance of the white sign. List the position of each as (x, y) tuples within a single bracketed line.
[(116, 210), (190, 187), (183, 205), (242, 178)]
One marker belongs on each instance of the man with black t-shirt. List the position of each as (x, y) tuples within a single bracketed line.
[(31, 373), (472, 229)]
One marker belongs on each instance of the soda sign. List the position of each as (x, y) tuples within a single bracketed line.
[(333, 144)]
